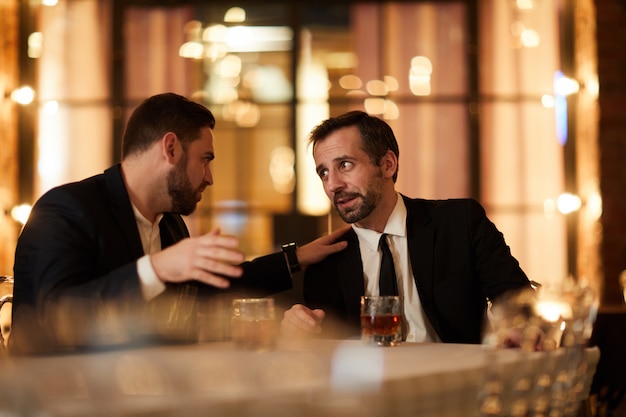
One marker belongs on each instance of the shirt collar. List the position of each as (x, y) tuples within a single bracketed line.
[(142, 221), (396, 226)]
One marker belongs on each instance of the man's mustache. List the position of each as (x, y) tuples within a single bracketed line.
[(344, 195)]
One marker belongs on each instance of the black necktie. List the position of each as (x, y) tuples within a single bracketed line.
[(387, 280)]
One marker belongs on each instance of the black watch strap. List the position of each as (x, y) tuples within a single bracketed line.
[(289, 249)]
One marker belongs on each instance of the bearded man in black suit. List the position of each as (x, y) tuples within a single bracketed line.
[(450, 259), (108, 261)]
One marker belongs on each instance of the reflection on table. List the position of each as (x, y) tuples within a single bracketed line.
[(312, 378)]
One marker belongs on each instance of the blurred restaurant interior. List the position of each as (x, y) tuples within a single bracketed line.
[(516, 103)]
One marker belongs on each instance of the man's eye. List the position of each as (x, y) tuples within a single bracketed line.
[(323, 173), (346, 164)]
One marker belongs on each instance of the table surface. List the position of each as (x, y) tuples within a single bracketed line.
[(316, 377)]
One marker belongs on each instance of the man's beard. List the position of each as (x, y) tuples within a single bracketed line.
[(180, 190), (368, 203)]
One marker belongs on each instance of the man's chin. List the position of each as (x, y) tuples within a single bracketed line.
[(192, 209), (186, 210), (347, 217)]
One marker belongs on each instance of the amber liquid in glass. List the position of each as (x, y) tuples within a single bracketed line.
[(382, 330)]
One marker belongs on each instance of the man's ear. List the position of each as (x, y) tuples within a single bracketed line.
[(390, 163), (170, 147)]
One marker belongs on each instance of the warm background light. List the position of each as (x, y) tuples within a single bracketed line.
[(20, 213), (568, 203), (23, 95)]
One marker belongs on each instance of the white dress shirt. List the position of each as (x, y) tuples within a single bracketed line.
[(417, 327), (150, 234)]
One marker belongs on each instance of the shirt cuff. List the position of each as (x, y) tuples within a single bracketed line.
[(151, 285)]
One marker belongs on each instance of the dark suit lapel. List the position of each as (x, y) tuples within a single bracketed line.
[(172, 229), (121, 210), (350, 272), (420, 238)]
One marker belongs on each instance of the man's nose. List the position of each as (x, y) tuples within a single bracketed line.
[(208, 176), (334, 182)]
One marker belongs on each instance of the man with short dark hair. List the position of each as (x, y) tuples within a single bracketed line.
[(449, 258), (108, 261)]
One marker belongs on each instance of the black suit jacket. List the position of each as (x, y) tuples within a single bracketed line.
[(76, 280), (459, 260)]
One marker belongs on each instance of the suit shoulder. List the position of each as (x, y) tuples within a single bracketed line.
[(331, 260), (72, 190), (442, 205), (73, 200)]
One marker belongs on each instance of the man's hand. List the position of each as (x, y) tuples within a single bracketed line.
[(300, 321), (321, 247), (207, 258)]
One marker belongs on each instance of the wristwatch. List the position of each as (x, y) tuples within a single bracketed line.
[(289, 249)]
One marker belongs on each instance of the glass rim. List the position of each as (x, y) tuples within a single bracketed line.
[(374, 297), (252, 300)]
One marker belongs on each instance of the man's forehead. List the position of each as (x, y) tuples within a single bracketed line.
[(333, 146)]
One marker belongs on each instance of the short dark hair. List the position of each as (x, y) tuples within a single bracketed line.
[(162, 113), (376, 135)]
